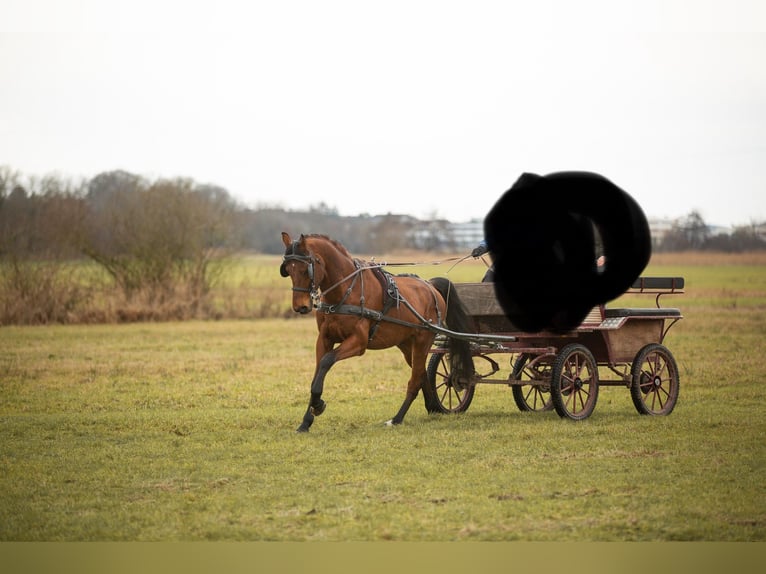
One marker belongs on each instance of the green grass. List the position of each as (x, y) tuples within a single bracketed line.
[(185, 431)]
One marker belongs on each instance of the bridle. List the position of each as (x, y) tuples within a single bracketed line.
[(309, 260)]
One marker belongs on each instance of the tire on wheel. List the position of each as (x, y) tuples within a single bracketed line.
[(654, 380), (441, 393), (531, 398), (574, 382)]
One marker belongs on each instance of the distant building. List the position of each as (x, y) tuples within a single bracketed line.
[(468, 234), (659, 228), (715, 230), (433, 235)]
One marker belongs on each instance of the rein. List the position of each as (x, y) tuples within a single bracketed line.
[(341, 307), (420, 263), (309, 260), (373, 265)]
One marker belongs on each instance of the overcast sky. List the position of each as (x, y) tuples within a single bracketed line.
[(420, 107)]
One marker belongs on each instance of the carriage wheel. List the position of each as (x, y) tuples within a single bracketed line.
[(574, 382), (654, 380), (535, 398), (440, 393)]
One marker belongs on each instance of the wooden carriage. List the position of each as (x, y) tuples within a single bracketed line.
[(611, 347)]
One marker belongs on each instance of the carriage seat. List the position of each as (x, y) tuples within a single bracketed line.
[(642, 312), (650, 285)]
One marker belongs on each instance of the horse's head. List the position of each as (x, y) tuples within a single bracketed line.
[(304, 269)]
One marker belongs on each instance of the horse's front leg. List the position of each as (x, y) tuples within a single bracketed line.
[(316, 404), (326, 358)]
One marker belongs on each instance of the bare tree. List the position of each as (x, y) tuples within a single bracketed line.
[(688, 233), (158, 239), (38, 222)]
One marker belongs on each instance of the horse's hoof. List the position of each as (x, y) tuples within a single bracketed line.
[(318, 410), (390, 423), (306, 423)]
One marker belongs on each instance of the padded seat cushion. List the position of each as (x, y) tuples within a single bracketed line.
[(642, 312)]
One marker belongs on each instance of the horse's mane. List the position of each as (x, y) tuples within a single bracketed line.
[(337, 244)]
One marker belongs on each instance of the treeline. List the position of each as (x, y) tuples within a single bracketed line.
[(46, 215), (162, 244), (691, 233), (159, 243)]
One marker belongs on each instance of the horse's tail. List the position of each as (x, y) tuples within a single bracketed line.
[(461, 360)]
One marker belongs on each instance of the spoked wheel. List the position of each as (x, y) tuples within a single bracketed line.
[(654, 380), (442, 392), (536, 397), (574, 382)]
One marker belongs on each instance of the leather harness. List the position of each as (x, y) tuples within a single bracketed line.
[(391, 296)]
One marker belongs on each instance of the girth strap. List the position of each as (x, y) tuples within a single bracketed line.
[(390, 296)]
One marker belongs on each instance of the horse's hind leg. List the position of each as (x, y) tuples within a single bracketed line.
[(399, 416), (417, 360), (413, 387)]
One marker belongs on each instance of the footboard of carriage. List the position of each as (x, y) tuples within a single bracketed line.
[(621, 346)]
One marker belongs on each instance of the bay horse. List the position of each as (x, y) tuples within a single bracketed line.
[(360, 307)]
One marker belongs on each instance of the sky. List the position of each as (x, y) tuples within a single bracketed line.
[(423, 107)]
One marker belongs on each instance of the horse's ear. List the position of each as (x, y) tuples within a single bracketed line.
[(286, 239)]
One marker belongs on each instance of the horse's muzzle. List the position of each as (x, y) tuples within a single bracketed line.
[(303, 309)]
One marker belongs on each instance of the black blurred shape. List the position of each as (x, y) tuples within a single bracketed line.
[(545, 234)]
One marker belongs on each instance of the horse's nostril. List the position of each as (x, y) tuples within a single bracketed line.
[(303, 310)]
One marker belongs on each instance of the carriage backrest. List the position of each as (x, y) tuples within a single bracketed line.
[(488, 316)]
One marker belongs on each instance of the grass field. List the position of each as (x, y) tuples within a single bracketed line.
[(185, 431)]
